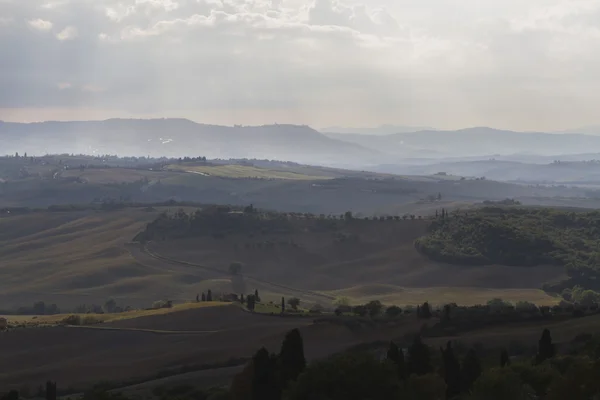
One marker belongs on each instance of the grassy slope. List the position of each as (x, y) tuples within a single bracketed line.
[(383, 264), (73, 257), (241, 171)]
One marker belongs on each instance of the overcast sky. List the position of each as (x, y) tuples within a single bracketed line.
[(515, 64)]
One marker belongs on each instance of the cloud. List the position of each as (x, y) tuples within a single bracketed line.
[(528, 65), (70, 32), (64, 85), (40, 24)]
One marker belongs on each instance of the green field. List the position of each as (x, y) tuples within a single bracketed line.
[(242, 171)]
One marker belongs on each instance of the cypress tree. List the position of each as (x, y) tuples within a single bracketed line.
[(291, 357), (545, 347), (265, 385), (471, 370), (203, 297), (50, 390), (250, 302), (504, 359), (209, 295), (395, 355), (282, 305), (256, 297), (242, 298), (425, 310), (451, 372), (419, 360)]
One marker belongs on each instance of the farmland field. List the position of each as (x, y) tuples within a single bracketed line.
[(241, 171)]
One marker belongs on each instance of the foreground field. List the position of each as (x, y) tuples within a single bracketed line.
[(207, 336)]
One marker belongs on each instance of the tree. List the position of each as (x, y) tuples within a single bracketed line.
[(203, 297), (419, 360), (451, 372), (424, 387), (424, 311), (250, 302), (241, 385), (294, 302), (347, 376), (504, 358), (197, 298), (500, 384), (439, 196), (242, 300), (395, 355), (360, 310), (110, 306), (471, 370), (545, 347), (265, 382), (374, 307), (291, 357), (209, 295), (342, 301), (393, 311), (50, 390), (348, 215), (282, 304), (39, 308), (256, 296), (235, 268)]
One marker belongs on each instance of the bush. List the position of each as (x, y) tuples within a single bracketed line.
[(425, 387), (526, 306), (90, 320), (72, 320), (500, 384), (498, 304), (162, 304)]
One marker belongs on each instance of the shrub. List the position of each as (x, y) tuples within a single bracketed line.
[(526, 306), (162, 304), (500, 384), (72, 320), (393, 311)]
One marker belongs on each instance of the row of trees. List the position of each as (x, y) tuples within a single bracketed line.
[(410, 374)]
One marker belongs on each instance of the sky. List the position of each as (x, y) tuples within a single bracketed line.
[(511, 64)]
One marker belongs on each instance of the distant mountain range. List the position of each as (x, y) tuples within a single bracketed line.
[(587, 130), (299, 143), (379, 130), (180, 137), (472, 142)]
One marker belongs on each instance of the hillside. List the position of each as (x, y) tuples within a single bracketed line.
[(179, 137), (361, 259), (520, 237), (276, 185), (559, 172)]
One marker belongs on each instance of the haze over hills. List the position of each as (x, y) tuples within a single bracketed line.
[(473, 141), (179, 137), (298, 143), (563, 172)]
